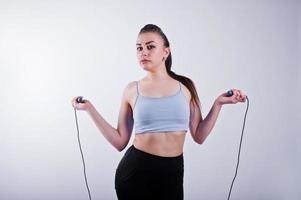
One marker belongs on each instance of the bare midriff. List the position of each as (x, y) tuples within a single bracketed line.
[(165, 144)]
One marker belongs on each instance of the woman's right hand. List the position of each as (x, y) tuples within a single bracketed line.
[(81, 106)]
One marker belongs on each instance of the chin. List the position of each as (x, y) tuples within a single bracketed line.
[(147, 67)]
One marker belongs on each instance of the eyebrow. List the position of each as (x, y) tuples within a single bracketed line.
[(145, 43)]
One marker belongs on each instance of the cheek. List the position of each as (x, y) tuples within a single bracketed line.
[(138, 54), (156, 53), (159, 55)]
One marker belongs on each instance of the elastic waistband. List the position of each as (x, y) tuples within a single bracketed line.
[(143, 153)]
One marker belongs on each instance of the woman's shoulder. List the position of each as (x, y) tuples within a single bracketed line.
[(130, 90), (131, 85)]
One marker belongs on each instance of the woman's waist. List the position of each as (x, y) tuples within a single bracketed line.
[(165, 144)]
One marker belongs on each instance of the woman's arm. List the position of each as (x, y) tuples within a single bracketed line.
[(205, 126), (109, 132), (119, 137), (200, 128)]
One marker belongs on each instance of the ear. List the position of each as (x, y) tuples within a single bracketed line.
[(166, 52)]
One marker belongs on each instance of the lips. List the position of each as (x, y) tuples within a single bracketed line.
[(144, 61)]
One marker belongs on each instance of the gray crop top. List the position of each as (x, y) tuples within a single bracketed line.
[(161, 114)]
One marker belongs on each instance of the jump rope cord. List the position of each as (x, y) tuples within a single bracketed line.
[(82, 154), (237, 157), (239, 147)]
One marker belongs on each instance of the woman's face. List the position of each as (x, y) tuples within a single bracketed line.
[(151, 51)]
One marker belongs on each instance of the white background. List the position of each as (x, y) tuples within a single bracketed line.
[(51, 51)]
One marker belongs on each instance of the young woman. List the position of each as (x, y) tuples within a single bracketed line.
[(163, 106)]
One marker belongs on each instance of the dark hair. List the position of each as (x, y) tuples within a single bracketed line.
[(184, 80)]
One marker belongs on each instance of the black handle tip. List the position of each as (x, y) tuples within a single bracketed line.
[(80, 100), (229, 93)]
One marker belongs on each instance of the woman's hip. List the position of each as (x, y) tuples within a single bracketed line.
[(149, 168)]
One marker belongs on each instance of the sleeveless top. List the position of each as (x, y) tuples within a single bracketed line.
[(161, 114)]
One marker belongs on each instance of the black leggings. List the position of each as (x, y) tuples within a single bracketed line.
[(144, 176)]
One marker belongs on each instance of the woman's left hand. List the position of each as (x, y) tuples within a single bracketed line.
[(237, 96)]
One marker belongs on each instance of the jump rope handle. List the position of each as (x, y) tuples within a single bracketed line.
[(80, 100), (229, 93)]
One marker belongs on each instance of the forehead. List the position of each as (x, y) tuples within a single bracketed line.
[(150, 36)]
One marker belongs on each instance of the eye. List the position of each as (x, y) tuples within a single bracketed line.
[(150, 47), (139, 48)]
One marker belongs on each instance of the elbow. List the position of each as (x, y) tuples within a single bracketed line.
[(120, 143), (199, 141), (120, 147)]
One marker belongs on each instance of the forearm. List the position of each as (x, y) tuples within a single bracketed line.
[(205, 126), (109, 132)]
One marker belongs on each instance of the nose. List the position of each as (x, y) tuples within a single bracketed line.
[(144, 52)]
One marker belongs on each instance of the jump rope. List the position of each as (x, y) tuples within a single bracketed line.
[(229, 94)]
